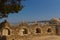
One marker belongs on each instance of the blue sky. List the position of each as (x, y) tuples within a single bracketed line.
[(37, 10)]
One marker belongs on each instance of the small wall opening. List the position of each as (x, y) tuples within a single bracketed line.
[(38, 30), (6, 31), (49, 30), (25, 31)]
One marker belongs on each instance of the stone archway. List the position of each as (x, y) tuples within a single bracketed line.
[(49, 30), (25, 31), (38, 30), (5, 31)]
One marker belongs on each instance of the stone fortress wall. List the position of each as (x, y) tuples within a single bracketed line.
[(26, 31)]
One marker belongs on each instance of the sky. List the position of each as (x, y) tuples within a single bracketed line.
[(36, 10)]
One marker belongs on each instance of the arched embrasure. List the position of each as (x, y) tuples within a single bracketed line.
[(38, 30), (6, 31), (49, 30), (25, 31)]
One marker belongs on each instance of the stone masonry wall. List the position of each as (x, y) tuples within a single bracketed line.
[(27, 32)]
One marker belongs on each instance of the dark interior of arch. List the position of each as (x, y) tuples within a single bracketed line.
[(38, 30), (49, 30), (8, 31), (25, 31)]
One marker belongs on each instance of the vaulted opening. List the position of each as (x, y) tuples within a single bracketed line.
[(6, 31), (25, 31), (49, 30), (38, 30)]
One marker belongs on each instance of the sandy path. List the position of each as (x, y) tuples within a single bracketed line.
[(47, 38)]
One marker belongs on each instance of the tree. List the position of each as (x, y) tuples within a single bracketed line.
[(9, 6)]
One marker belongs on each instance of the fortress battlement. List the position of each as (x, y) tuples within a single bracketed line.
[(29, 29)]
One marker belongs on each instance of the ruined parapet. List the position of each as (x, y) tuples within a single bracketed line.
[(6, 29), (49, 30), (23, 29), (36, 29), (55, 21)]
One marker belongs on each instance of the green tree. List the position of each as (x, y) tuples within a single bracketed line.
[(9, 6)]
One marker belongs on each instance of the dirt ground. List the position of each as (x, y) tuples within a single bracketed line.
[(47, 38)]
